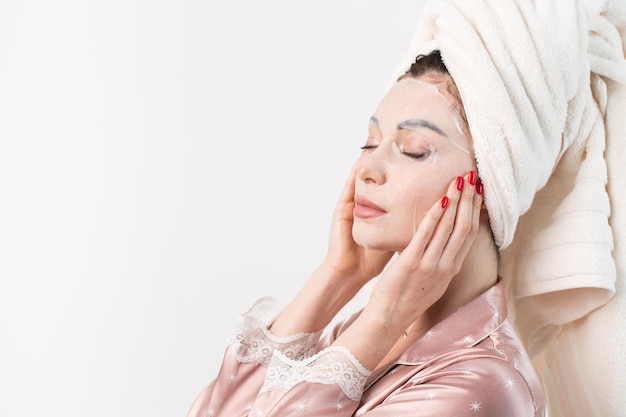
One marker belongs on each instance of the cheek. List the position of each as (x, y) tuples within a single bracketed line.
[(426, 183), (418, 194), (417, 191)]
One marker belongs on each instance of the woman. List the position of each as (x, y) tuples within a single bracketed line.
[(433, 338)]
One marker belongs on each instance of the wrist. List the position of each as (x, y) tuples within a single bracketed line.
[(385, 321), (370, 339), (349, 282), (335, 287), (324, 294)]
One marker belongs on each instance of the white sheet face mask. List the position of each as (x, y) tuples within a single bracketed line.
[(415, 120), (449, 123), (429, 110), (429, 92)]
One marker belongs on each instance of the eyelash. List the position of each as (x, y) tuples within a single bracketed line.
[(413, 155)]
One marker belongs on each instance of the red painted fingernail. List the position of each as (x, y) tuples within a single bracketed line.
[(459, 183), (444, 201), (472, 177), (479, 187)]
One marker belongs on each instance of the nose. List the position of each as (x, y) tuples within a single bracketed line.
[(371, 167)]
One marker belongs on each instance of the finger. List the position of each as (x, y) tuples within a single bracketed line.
[(445, 226), (465, 224), (477, 202), (424, 234), (347, 195), (345, 205)]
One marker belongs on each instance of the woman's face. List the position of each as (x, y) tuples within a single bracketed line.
[(415, 147)]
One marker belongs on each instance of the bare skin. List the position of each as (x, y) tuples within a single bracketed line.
[(449, 260)]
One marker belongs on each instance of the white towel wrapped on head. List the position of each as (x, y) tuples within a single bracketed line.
[(543, 85)]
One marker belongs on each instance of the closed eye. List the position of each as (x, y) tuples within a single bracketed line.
[(416, 155)]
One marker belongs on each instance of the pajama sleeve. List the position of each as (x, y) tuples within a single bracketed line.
[(329, 383), (233, 392), (484, 387), (305, 376)]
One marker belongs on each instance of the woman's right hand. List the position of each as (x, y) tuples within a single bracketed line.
[(344, 271), (345, 258)]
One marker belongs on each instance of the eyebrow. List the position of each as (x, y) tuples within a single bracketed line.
[(412, 124), (415, 123)]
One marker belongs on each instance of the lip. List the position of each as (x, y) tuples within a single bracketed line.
[(365, 208)]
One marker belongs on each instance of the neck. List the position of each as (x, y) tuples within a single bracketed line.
[(478, 273)]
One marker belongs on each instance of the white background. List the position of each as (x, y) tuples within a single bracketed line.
[(162, 165)]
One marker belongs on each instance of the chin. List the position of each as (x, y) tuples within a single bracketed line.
[(378, 241)]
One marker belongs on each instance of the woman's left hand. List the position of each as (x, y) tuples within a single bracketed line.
[(422, 272)]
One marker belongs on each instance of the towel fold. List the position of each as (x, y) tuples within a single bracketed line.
[(542, 83)]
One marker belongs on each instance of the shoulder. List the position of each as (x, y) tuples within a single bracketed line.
[(487, 383), (494, 374)]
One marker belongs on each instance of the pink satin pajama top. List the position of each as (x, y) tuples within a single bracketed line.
[(471, 364)]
